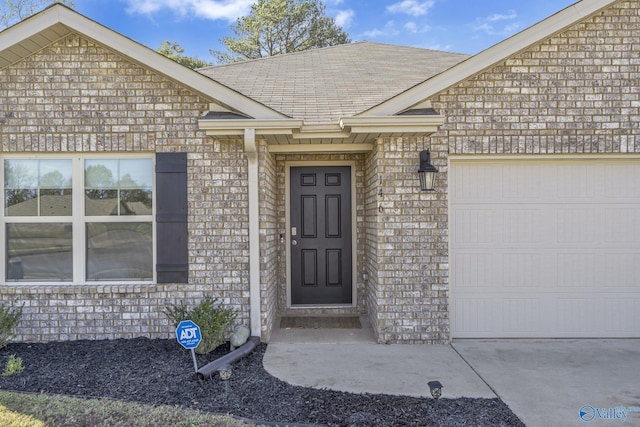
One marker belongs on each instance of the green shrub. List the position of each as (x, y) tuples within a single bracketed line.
[(9, 318), (213, 320), (13, 366)]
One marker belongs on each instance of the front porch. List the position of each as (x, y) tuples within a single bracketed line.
[(399, 252)]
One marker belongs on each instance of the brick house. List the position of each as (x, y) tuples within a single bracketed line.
[(288, 185)]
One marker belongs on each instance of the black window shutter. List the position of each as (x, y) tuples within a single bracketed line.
[(171, 218)]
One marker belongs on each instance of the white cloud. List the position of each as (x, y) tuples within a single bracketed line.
[(414, 28), (435, 46), (344, 18), (497, 24), (499, 17), (206, 9), (411, 7), (389, 30)]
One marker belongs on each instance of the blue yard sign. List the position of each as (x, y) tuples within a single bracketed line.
[(189, 336)]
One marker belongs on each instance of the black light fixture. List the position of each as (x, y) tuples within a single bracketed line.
[(427, 172), (435, 388)]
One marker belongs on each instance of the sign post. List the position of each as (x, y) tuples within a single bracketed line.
[(189, 336)]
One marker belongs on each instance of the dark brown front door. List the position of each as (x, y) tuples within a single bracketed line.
[(320, 235)]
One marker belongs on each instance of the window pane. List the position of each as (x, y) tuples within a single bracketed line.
[(39, 252), (55, 202), (37, 187), (100, 174), (55, 187), (101, 202), (136, 173), (119, 251), (118, 187), (21, 202), (135, 202)]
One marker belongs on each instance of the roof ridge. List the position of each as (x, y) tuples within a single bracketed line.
[(285, 56), (416, 47), (280, 55)]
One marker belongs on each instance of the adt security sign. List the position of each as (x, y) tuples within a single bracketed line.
[(188, 334)]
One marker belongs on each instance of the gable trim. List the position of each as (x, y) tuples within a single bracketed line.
[(554, 24)]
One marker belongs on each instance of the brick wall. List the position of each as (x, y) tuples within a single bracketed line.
[(406, 245), (577, 92), (76, 96)]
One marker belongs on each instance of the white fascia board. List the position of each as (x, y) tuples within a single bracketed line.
[(327, 130), (320, 148), (491, 56), (135, 52), (238, 126), (393, 124), (344, 129), (28, 28)]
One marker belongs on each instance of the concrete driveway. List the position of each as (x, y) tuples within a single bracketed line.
[(561, 382)]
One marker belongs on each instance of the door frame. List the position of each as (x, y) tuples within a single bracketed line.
[(287, 234)]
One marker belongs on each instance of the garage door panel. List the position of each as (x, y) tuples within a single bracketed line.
[(621, 224), (583, 270), (477, 316), (621, 181), (511, 230), (472, 269), (526, 316), (578, 183), (624, 271), (576, 225), (521, 269), (564, 262), (518, 184), (477, 225), (621, 316)]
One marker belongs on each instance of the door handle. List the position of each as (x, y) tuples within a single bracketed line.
[(294, 242)]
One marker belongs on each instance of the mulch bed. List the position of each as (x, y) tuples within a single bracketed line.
[(161, 372)]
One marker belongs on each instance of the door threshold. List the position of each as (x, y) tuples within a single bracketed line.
[(324, 335), (329, 306)]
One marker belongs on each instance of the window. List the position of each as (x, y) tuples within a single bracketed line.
[(78, 219)]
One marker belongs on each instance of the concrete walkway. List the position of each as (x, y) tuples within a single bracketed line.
[(545, 383)]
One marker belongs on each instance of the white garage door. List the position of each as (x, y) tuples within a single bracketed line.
[(545, 248)]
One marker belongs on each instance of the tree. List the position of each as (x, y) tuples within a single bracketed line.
[(173, 50), (274, 27), (13, 11)]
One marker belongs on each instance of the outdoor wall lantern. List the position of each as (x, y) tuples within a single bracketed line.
[(435, 388), (427, 172)]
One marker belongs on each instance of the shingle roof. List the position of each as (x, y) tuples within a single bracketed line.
[(323, 85)]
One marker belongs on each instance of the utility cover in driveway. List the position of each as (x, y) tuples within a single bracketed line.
[(545, 248)]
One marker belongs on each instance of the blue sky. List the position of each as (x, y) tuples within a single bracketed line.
[(453, 25)]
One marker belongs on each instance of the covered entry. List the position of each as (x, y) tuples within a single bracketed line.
[(545, 248)]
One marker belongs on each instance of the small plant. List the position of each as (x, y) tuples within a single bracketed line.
[(13, 366), (9, 318), (213, 320)]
